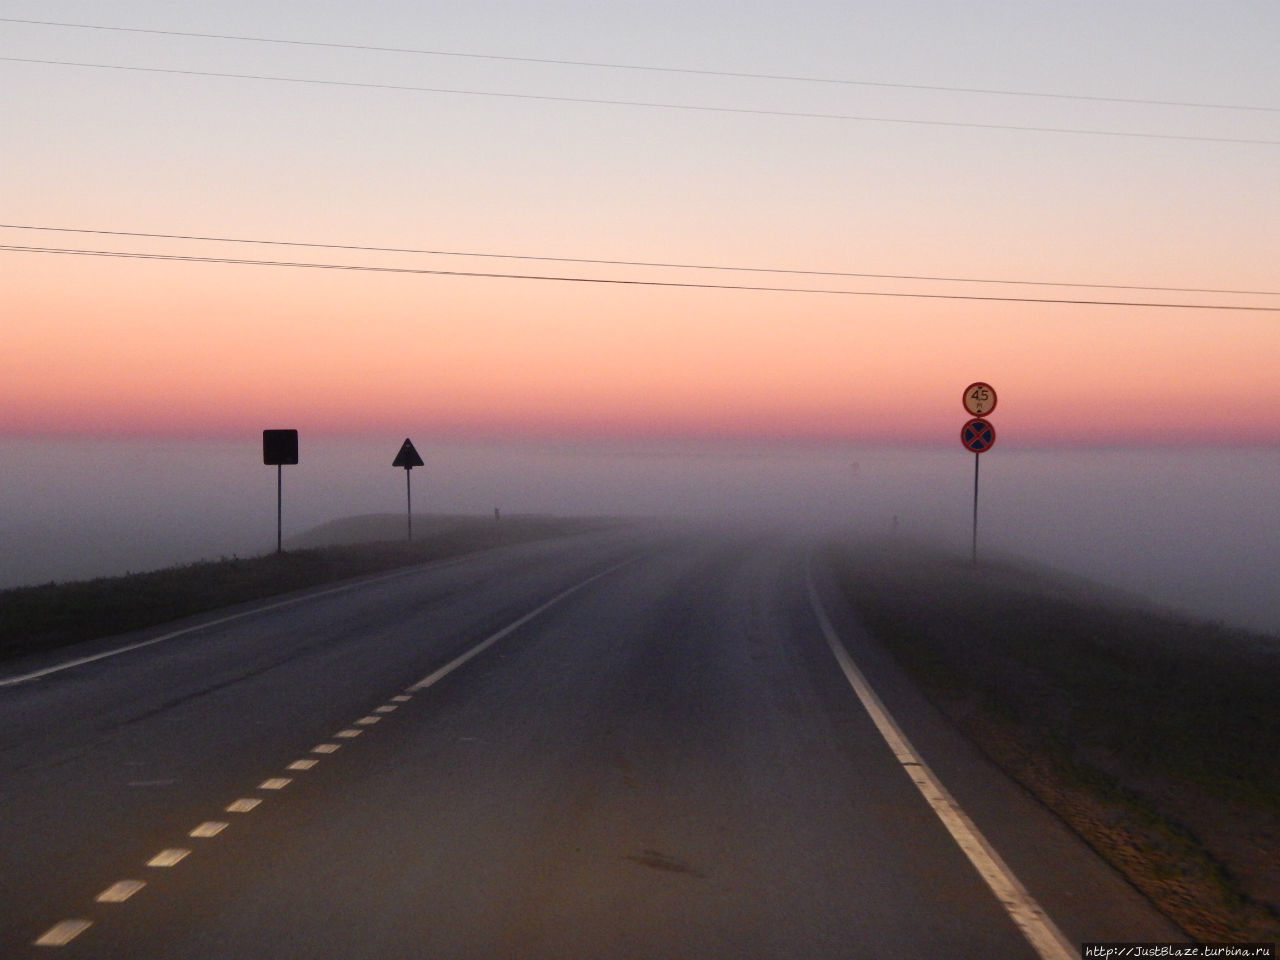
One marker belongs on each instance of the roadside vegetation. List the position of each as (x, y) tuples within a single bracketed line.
[(41, 618), (1155, 737)]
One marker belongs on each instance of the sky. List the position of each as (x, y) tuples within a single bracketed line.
[(1172, 195)]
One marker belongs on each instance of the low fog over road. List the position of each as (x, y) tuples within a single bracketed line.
[(1193, 529)]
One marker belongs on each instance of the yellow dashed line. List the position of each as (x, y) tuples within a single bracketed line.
[(210, 828), (243, 805), (60, 934), (275, 783), (167, 858), (120, 892)]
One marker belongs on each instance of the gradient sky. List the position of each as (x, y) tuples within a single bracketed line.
[(133, 347)]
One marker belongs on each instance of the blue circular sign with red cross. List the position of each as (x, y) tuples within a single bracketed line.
[(978, 435)]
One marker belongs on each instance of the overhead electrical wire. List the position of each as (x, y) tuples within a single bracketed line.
[(652, 104), (422, 271), (792, 78), (365, 248)]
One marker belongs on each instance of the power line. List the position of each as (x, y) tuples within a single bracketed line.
[(653, 104), (636, 263), (420, 271), (792, 78)]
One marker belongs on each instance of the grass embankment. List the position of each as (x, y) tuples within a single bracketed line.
[(40, 618), (1155, 737)]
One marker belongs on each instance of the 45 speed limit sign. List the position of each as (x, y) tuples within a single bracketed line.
[(979, 399)]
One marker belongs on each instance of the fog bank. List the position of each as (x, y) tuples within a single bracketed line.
[(1198, 530)]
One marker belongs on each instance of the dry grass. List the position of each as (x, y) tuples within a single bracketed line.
[(39, 618), (1155, 737)]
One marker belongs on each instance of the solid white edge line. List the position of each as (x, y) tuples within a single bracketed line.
[(484, 645), (1027, 915), (58, 668)]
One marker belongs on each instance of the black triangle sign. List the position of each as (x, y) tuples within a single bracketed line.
[(407, 457)]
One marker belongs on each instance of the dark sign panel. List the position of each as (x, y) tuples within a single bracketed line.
[(407, 457), (279, 446)]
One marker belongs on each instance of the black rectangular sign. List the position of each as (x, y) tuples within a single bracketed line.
[(279, 446)]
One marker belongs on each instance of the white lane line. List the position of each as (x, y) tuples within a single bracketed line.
[(244, 805), (168, 858), (302, 764), (275, 783), (120, 892), (401, 698), (58, 668), (60, 934), (348, 734), (1029, 917), (387, 708), (326, 748), (438, 675), (367, 721), (210, 828)]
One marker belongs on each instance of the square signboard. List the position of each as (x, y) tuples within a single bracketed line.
[(279, 446)]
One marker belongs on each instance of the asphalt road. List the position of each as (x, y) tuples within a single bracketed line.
[(666, 762)]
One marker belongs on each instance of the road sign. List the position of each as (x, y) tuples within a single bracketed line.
[(279, 446), (978, 436), (979, 399), (407, 457)]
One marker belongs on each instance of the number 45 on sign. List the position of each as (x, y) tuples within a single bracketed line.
[(979, 399)]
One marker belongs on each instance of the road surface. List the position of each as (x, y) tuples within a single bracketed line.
[(617, 745)]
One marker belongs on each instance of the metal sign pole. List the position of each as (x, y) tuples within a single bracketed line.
[(279, 507), (278, 448), (408, 458), (977, 459)]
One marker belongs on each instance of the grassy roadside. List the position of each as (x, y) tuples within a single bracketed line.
[(40, 618), (1156, 738)]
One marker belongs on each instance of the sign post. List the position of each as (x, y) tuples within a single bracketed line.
[(279, 447), (978, 435), (408, 458)]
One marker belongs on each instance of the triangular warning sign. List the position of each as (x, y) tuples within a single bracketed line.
[(407, 457)]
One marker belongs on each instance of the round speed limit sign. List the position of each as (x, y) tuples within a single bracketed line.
[(979, 399)]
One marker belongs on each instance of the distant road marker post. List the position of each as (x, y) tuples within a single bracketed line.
[(408, 458), (279, 447), (978, 435)]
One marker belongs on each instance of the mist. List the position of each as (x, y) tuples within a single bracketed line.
[(1196, 530)]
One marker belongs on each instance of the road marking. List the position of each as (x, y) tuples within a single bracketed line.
[(210, 828), (435, 677), (67, 930), (58, 668), (120, 892), (60, 934), (1027, 915), (168, 858)]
